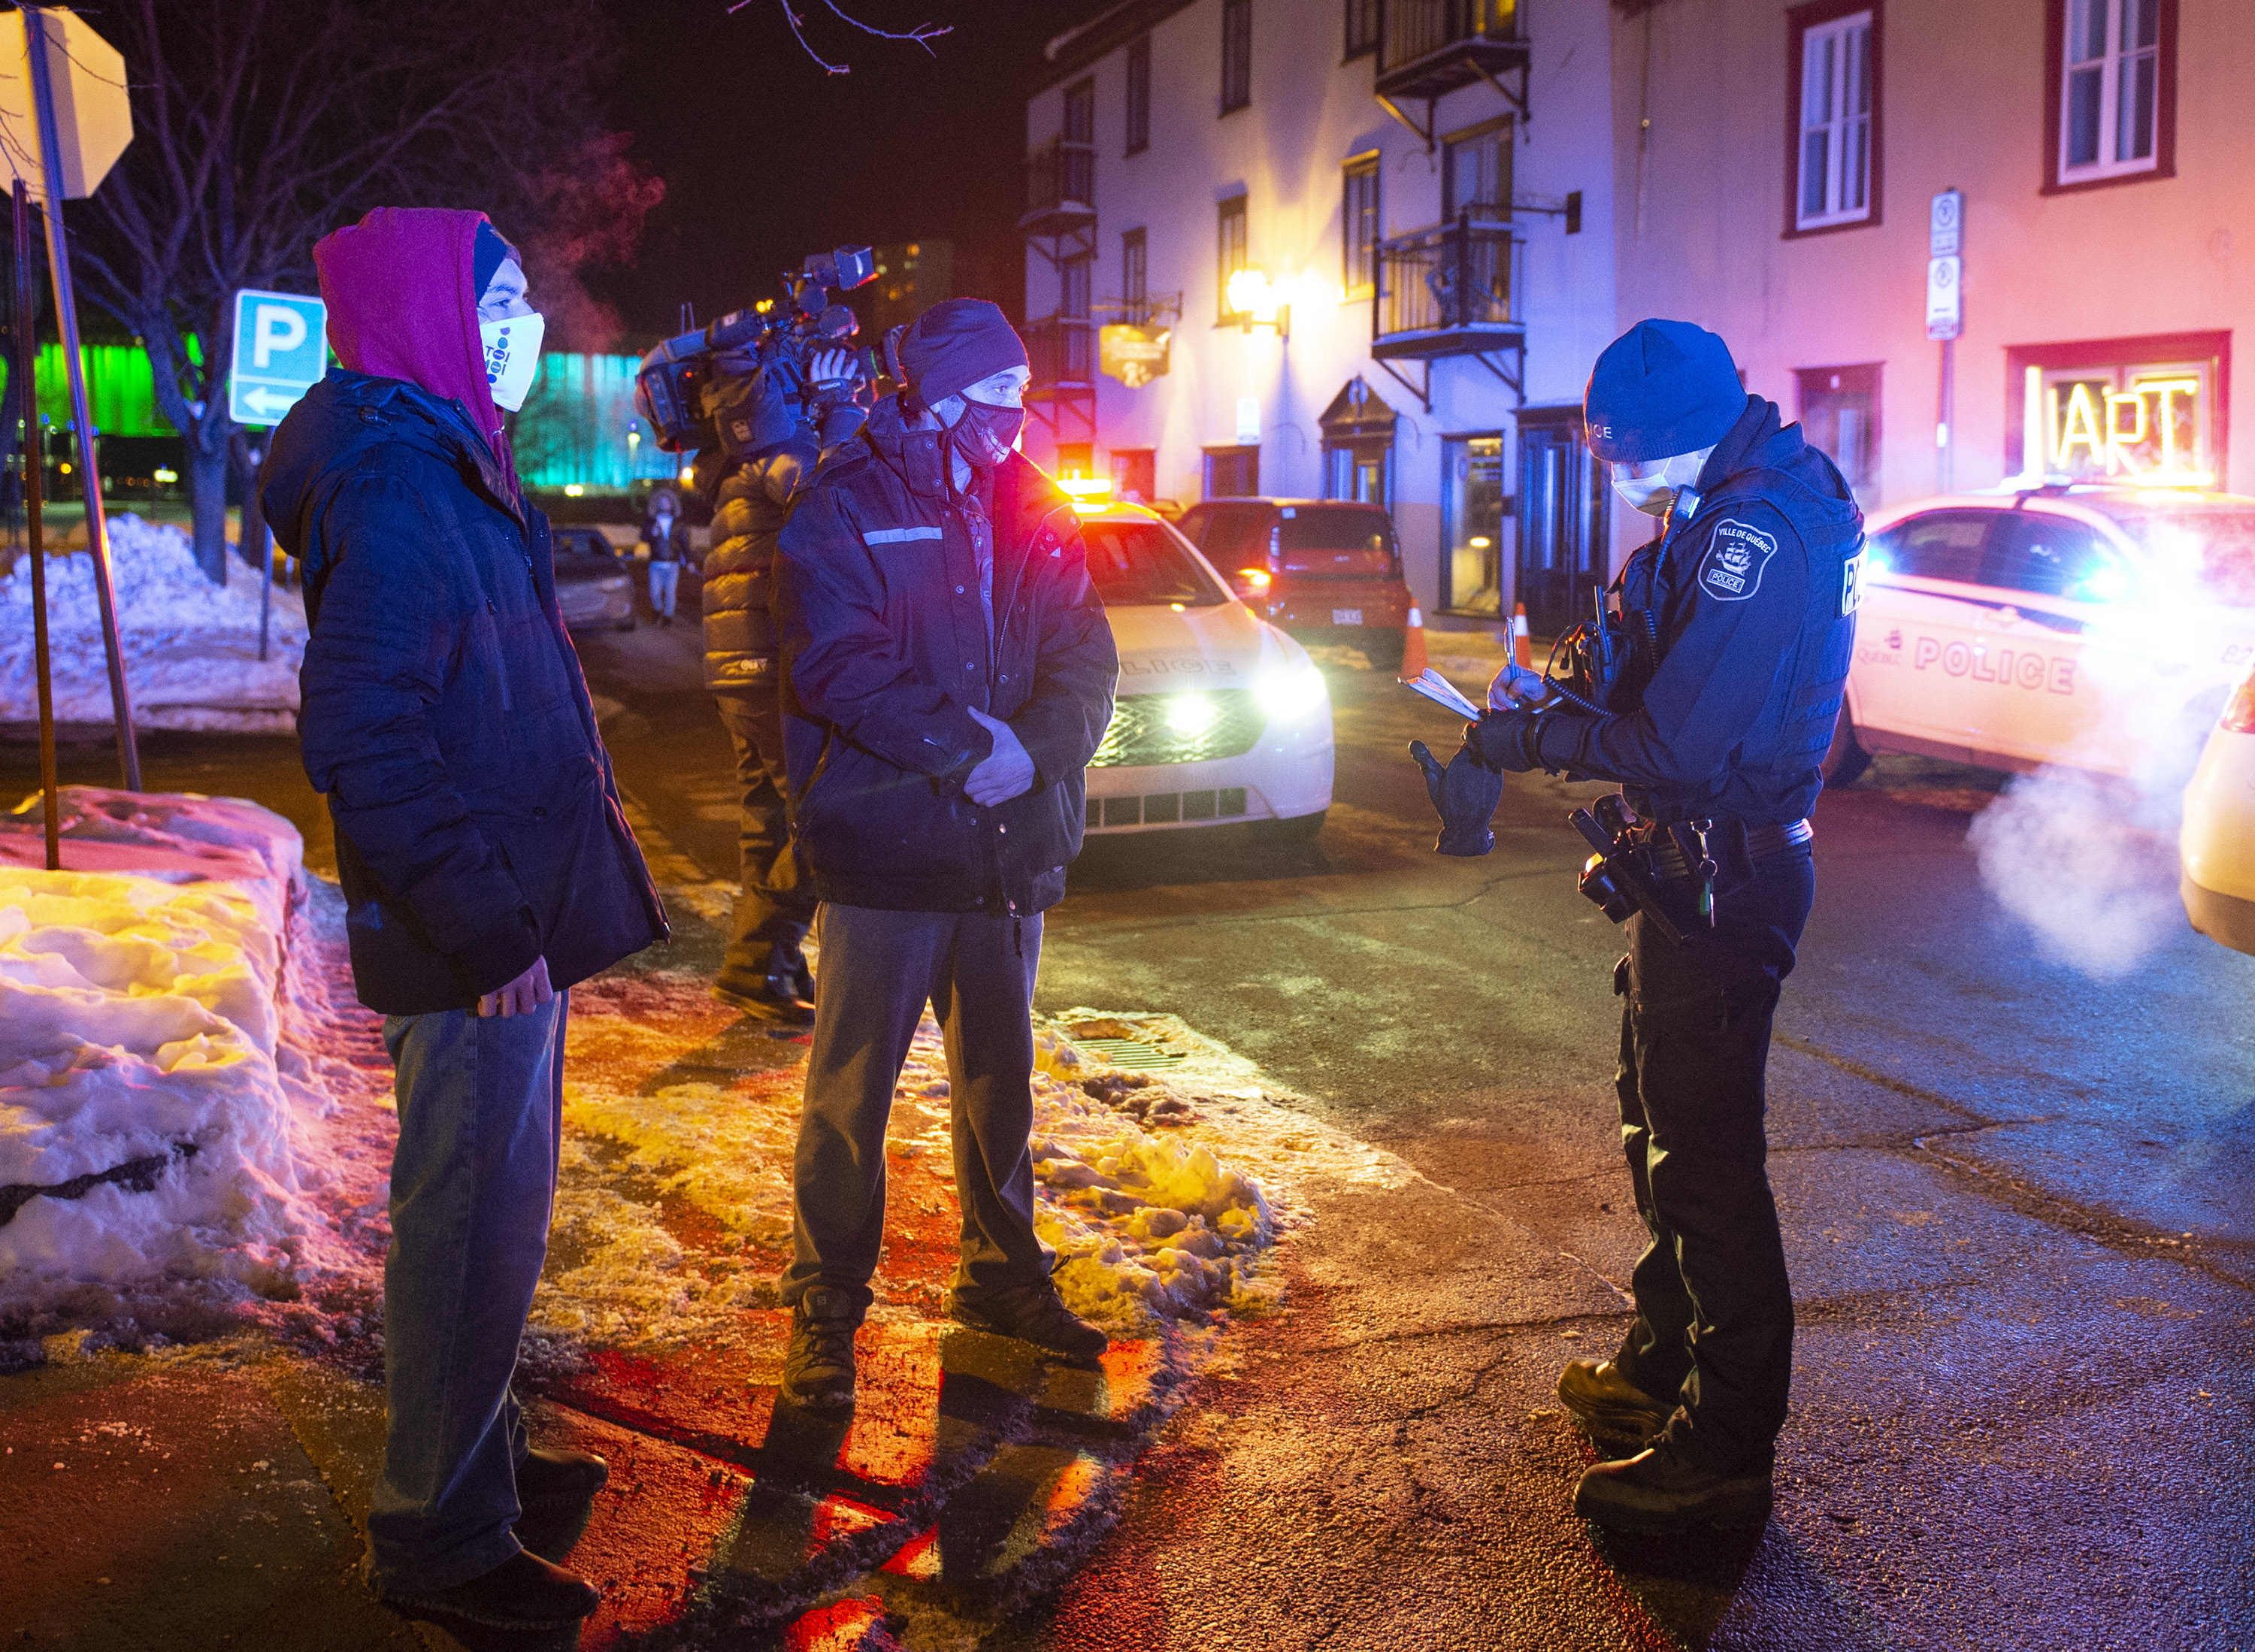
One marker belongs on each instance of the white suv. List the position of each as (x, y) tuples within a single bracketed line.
[(2088, 626)]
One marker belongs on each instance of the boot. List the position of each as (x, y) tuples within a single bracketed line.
[(556, 1490), (523, 1593), (1658, 1493), (1612, 1410), (774, 995), (818, 1372), (1032, 1313)]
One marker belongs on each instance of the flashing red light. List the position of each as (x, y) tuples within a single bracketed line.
[(2239, 715)]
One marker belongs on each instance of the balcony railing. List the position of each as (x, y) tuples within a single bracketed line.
[(1060, 187), (1457, 290), (1433, 47), (1061, 351)]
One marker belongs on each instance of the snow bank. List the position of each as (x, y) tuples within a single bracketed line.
[(148, 1129), (191, 647)]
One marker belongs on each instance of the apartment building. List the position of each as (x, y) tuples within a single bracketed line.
[(1336, 249), (2064, 186)]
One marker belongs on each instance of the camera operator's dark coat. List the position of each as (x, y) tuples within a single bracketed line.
[(477, 828), (748, 510), (885, 650)]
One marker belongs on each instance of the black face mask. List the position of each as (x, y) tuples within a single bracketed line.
[(985, 435)]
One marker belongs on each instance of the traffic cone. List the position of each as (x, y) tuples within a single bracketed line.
[(1523, 647), (1413, 647)]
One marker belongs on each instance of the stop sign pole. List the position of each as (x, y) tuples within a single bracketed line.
[(36, 25)]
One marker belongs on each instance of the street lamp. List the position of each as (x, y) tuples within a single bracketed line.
[(1256, 301)]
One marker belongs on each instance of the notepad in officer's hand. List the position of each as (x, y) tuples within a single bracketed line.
[(1442, 691)]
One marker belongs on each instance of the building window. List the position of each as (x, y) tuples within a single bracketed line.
[(2111, 91), (1834, 69), (1134, 474), (1230, 252), (1135, 276), (1233, 473), (1080, 142), (1475, 171), (2141, 411), (1361, 27), (1074, 289), (1840, 415), (1236, 54), (1076, 458), (1139, 96), (1358, 227)]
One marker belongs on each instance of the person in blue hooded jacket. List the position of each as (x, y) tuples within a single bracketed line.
[(1741, 621), (487, 868)]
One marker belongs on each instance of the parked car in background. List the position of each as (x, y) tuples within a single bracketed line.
[(1325, 570), (2102, 628), (1221, 717), (2218, 839), (594, 584)]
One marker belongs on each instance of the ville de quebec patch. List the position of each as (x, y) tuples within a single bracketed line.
[(1731, 571)]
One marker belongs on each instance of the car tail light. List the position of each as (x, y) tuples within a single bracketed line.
[(2239, 715)]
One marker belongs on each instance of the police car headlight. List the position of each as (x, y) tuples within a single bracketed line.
[(1190, 713), (1292, 692)]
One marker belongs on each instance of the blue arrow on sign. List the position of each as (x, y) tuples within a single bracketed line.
[(281, 350)]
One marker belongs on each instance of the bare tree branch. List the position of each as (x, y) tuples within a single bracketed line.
[(923, 34)]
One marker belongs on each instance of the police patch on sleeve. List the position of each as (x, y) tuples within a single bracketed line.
[(1736, 556)]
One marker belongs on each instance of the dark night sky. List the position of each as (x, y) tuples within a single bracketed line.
[(766, 158)]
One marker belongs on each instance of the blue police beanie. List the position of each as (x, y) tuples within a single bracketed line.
[(1663, 387), (487, 253)]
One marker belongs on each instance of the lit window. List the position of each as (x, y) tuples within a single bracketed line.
[(1836, 146), (1230, 251), (2110, 89)]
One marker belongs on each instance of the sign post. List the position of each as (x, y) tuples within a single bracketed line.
[(281, 350), (71, 150), (22, 384), (1945, 319)]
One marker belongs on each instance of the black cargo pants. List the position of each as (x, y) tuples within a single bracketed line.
[(774, 904), (1714, 1313)]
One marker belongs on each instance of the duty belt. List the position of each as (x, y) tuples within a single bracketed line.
[(1763, 842)]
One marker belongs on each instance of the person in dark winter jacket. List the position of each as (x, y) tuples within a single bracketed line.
[(766, 455), (487, 868), (948, 674), (667, 535)]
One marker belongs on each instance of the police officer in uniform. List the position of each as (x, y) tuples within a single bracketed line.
[(1738, 623)]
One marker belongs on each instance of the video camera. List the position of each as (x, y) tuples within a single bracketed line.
[(783, 336)]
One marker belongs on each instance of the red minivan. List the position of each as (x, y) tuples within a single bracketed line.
[(1327, 570)]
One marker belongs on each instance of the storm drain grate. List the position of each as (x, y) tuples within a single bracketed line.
[(1129, 1054)]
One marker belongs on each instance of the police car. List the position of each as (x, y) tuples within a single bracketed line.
[(2218, 839), (1221, 717), (2097, 627)]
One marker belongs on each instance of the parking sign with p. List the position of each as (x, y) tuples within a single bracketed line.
[(281, 350)]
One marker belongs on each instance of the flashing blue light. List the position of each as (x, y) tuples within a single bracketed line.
[(2104, 585)]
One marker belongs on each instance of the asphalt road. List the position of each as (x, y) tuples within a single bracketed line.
[(2015, 1201)]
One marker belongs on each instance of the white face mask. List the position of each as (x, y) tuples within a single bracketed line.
[(512, 350), (1654, 492)]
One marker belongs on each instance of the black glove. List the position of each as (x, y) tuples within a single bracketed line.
[(1464, 795), (1506, 740)]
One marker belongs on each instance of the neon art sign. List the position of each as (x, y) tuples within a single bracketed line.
[(2150, 431)]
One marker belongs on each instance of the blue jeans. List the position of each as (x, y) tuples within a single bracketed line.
[(472, 1187), (664, 576)]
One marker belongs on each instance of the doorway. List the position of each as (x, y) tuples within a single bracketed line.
[(1563, 521), (1840, 415)]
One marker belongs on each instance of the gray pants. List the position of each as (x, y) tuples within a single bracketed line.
[(878, 968)]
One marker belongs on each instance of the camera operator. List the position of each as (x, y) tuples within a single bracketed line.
[(1726, 665), (767, 450)]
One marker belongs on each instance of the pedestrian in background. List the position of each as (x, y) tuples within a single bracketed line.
[(948, 673), (668, 538), (487, 868)]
